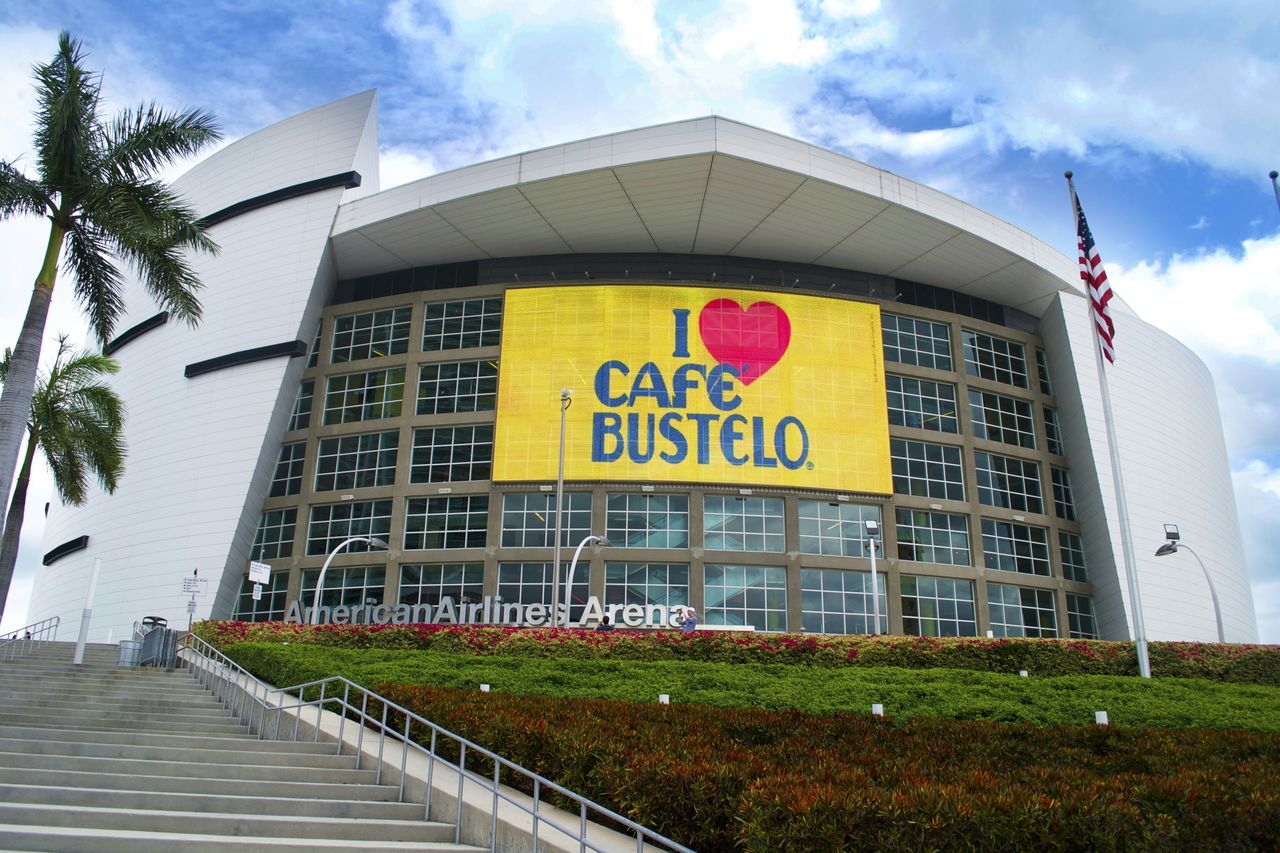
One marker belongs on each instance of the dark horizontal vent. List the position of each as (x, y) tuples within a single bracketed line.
[(292, 349), (69, 547), (345, 180), (135, 332)]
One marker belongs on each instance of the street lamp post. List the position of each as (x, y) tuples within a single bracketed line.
[(873, 529), (573, 568), (315, 600), (1173, 546), (566, 400)]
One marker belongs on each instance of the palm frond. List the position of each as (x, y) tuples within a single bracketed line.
[(98, 283), (141, 141), (67, 126), (21, 195)]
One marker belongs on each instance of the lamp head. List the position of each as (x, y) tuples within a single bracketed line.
[(873, 527), (377, 543), (1166, 549), (1171, 532)]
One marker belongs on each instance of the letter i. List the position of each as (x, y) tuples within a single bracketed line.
[(682, 332)]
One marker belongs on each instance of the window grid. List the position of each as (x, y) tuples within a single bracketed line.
[(1080, 622), (430, 583), (1052, 435), (462, 324), (270, 608), (1010, 547), (457, 386), (908, 340), (996, 417), (301, 417), (529, 519), (743, 524), (287, 479), (460, 521), (357, 461), (1009, 483), (1063, 504), (368, 396), (1042, 372), (347, 586), (933, 537), (938, 607), (530, 583), (374, 334), (452, 454), (745, 595), (1071, 547), (647, 521), (834, 601), (274, 537), (921, 404), (332, 523), (926, 470), (835, 529), (994, 358), (666, 584), (1015, 611)]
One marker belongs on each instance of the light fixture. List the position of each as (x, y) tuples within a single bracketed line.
[(1173, 545), (1171, 532)]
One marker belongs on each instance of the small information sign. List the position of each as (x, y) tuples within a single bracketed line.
[(259, 573), (257, 592)]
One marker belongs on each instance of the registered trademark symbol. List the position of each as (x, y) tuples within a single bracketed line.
[(809, 466)]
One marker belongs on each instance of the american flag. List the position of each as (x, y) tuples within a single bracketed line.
[(1094, 275)]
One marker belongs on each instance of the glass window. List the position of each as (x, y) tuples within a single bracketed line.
[(275, 534), (313, 357), (938, 607), (1009, 547), (530, 583), (301, 417), (367, 396), (458, 386), (839, 602), (1009, 483), (460, 521), (1063, 504), (345, 586), (836, 529), (745, 595), (1080, 622), (933, 537), (999, 418), (357, 461), (743, 524), (1042, 370), (1015, 611), (1072, 550), (1052, 435), (648, 521), (462, 324), (287, 479), (921, 404), (926, 470), (452, 454), (429, 583), (529, 519), (994, 358), (374, 334), (919, 342), (646, 583), (270, 608), (332, 523)]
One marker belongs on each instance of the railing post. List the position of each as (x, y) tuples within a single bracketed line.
[(582, 827), (342, 723), (462, 769), (493, 818), (537, 800), (404, 757), (431, 772), (382, 742), (364, 722), (319, 711)]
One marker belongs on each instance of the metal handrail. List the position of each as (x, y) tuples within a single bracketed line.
[(250, 700), (29, 637)]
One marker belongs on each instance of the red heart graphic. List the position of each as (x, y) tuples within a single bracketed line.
[(752, 340)]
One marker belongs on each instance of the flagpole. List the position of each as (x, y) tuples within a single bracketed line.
[(1273, 175), (1122, 505)]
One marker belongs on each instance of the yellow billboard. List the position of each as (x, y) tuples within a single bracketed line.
[(692, 384)]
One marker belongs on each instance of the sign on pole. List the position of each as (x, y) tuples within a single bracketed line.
[(257, 592), (259, 573)]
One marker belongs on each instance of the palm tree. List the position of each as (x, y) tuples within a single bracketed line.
[(96, 184), (76, 421)]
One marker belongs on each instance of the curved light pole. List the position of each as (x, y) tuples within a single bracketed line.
[(1173, 546), (315, 600), (566, 400), (573, 568)]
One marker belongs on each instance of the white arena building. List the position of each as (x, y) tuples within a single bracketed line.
[(768, 344)]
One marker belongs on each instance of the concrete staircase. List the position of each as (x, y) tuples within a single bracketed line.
[(105, 758)]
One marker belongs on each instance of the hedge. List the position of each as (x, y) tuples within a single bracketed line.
[(955, 694), (1246, 664)]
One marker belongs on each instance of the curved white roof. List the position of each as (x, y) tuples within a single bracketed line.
[(703, 186)]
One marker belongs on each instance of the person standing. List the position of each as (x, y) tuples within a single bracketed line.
[(689, 623)]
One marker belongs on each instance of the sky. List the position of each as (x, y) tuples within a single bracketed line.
[(1165, 110)]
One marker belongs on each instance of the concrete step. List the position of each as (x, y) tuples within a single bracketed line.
[(228, 726), (128, 766), (31, 838), (156, 700), (150, 752), (189, 784), (139, 712), (163, 739)]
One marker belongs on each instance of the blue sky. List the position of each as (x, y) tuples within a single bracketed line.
[(1165, 109)]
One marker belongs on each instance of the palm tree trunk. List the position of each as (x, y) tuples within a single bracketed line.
[(15, 401), (13, 523)]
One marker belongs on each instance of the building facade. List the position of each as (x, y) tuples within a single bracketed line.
[(372, 364)]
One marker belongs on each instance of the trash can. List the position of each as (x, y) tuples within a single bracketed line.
[(130, 653)]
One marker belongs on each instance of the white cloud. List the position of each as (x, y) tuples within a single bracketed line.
[(1200, 224), (398, 166)]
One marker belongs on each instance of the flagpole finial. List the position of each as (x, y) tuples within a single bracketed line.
[(1068, 174), (1273, 174)]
